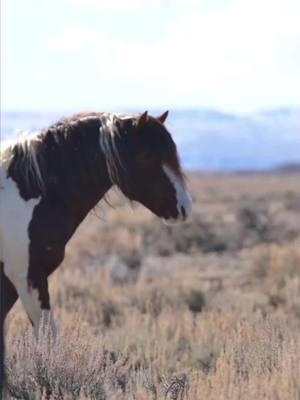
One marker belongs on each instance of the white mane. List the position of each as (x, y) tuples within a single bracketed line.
[(107, 138), (27, 142)]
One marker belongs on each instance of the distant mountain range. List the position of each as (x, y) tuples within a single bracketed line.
[(211, 140)]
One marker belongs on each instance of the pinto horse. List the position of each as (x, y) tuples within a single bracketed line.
[(49, 183)]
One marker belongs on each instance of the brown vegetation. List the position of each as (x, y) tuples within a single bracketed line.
[(206, 310)]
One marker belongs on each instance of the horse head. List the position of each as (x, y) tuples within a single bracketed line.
[(149, 169)]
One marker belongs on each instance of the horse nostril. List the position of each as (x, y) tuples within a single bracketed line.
[(183, 212)]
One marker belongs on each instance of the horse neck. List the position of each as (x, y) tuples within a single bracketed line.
[(78, 167)]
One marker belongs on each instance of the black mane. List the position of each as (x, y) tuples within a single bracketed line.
[(72, 153), (62, 157)]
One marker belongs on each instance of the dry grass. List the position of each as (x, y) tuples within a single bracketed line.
[(208, 310)]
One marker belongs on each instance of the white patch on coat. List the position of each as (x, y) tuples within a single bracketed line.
[(15, 217), (41, 319), (183, 198)]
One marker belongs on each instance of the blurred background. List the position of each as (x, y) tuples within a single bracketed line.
[(209, 309), (228, 70)]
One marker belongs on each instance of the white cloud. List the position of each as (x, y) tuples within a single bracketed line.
[(110, 4), (120, 5), (238, 57), (123, 5), (74, 38)]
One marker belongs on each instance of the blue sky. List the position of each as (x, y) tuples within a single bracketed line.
[(233, 55)]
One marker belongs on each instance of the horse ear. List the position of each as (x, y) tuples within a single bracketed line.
[(163, 117), (142, 119)]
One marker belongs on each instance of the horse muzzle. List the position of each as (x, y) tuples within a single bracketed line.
[(184, 209)]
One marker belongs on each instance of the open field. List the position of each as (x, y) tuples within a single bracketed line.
[(207, 310)]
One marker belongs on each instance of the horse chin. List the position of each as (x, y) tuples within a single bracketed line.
[(171, 221)]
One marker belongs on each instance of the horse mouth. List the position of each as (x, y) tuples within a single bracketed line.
[(175, 221), (179, 219), (171, 221)]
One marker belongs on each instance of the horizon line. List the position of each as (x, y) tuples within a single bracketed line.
[(155, 109)]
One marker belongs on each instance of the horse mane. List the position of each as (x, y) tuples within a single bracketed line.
[(110, 139), (26, 148), (26, 152)]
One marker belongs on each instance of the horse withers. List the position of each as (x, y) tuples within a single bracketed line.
[(50, 181)]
